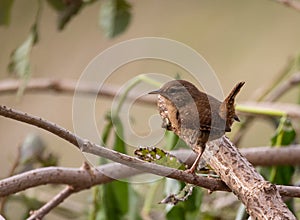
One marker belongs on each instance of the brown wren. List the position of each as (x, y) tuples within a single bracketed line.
[(195, 116)]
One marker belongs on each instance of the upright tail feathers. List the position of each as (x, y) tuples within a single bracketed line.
[(227, 111), (234, 92)]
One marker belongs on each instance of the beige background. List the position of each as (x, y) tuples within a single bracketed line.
[(240, 39)]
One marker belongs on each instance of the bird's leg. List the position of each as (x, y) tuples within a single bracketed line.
[(200, 151)]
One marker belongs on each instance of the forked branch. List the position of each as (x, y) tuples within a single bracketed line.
[(261, 198)]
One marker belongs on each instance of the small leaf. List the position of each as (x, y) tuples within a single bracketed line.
[(20, 57), (5, 9), (176, 213), (285, 133), (69, 11), (159, 156), (171, 140), (106, 130), (58, 5), (119, 144), (189, 205), (114, 17)]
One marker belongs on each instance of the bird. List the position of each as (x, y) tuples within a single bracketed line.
[(196, 117)]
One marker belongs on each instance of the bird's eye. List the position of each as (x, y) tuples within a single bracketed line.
[(172, 90)]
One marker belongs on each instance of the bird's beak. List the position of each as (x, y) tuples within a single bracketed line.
[(154, 92)]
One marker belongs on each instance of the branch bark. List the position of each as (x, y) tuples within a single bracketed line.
[(261, 198), (59, 198), (67, 86), (81, 179), (92, 148)]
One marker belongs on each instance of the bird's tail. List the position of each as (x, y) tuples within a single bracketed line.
[(227, 111), (234, 92)]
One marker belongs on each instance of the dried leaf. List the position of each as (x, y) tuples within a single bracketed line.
[(183, 195)]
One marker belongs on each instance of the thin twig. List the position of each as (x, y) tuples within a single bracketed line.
[(291, 3), (68, 86), (260, 95), (283, 88), (55, 201), (11, 173)]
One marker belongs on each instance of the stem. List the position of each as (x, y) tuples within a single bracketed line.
[(149, 199), (260, 111), (132, 84)]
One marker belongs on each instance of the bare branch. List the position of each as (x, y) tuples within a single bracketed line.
[(269, 156), (291, 3), (284, 87), (258, 156), (261, 198), (84, 179), (67, 86), (78, 178), (223, 157), (92, 148), (59, 198)]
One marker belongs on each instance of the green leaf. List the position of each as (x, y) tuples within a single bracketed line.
[(58, 5), (176, 213), (115, 201), (20, 58), (114, 17), (284, 135), (5, 9), (191, 200), (159, 156), (171, 140), (20, 64), (119, 144), (68, 12), (107, 129)]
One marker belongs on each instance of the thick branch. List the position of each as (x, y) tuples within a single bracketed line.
[(81, 179), (78, 178), (261, 198)]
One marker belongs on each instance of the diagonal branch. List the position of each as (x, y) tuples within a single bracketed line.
[(92, 148), (59, 198)]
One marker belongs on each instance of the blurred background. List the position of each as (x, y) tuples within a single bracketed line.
[(242, 40)]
